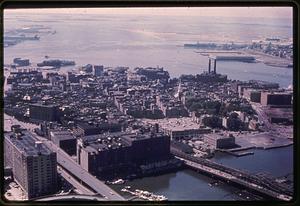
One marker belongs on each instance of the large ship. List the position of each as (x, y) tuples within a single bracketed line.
[(201, 45), (56, 63), (240, 58), (21, 38)]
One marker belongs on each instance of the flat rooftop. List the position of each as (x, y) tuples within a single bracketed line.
[(114, 140), (174, 124), (217, 136), (26, 144), (44, 105), (62, 135)]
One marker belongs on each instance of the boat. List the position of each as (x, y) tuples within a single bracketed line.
[(56, 63), (145, 195), (201, 45), (116, 182)]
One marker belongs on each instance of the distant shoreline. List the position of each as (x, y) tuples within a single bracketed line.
[(260, 57)]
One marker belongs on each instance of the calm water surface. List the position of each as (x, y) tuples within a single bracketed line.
[(190, 185), (134, 41)]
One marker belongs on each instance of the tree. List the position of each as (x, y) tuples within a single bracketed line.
[(234, 123), (213, 122)]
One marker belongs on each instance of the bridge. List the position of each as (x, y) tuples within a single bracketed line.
[(70, 198), (260, 184)]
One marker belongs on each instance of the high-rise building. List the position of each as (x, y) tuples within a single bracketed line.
[(34, 166), (98, 70)]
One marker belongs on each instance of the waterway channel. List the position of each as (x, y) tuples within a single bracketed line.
[(190, 185)]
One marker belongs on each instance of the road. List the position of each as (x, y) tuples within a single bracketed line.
[(273, 129), (79, 187), (9, 121)]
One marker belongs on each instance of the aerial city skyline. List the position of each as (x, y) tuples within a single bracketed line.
[(154, 104)]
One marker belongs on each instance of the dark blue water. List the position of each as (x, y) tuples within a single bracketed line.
[(190, 185), (182, 185), (278, 162)]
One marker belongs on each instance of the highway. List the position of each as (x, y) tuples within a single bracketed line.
[(79, 187), (70, 198), (66, 162)]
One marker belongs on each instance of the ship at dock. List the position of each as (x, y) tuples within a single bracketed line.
[(213, 46), (201, 45), (239, 58), (56, 63)]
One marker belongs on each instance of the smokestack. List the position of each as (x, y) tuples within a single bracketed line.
[(156, 128), (209, 63), (215, 66)]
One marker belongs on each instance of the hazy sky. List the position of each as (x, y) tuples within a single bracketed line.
[(268, 12)]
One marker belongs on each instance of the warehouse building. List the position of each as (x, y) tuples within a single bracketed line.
[(121, 153), (93, 128)]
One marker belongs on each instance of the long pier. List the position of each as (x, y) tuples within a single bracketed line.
[(262, 185)]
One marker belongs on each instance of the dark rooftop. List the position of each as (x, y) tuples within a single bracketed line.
[(26, 143), (94, 143), (62, 135)]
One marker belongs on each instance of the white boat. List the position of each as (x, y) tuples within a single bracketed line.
[(116, 182)]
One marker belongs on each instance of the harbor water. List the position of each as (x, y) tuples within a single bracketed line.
[(141, 41), (190, 185)]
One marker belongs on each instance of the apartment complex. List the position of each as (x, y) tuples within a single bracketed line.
[(32, 163)]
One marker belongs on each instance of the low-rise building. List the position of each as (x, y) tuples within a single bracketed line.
[(180, 128), (252, 95), (218, 141)]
